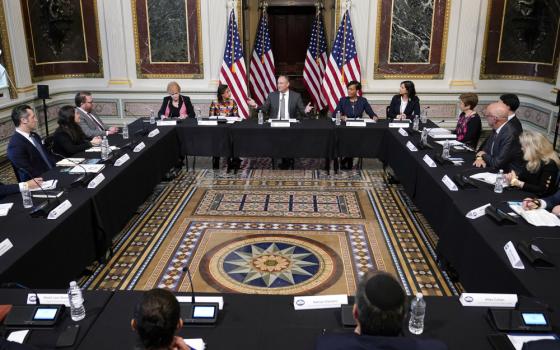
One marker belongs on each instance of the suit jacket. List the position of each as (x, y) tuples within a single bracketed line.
[(90, 127), (553, 200), (167, 101), (24, 155), (352, 341), (516, 123), (6, 190), (506, 153), (412, 107), (8, 345), (545, 344), (271, 105)]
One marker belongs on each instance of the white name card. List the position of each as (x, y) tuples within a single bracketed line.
[(122, 159), (513, 256), (411, 147), (356, 123), (403, 132), (139, 147), (429, 161), (5, 246), (449, 183), (202, 299), (18, 336), (207, 122), (477, 212), (488, 300), (59, 210), (398, 125), (153, 133), (320, 302), (49, 299), (166, 122), (5, 208), (195, 343), (280, 124), (96, 181)]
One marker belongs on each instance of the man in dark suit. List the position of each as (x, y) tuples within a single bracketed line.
[(511, 101), (6, 190), (502, 149), (379, 311), (91, 124), (27, 153)]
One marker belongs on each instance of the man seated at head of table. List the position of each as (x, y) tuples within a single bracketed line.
[(28, 155), (379, 310), (91, 124), (502, 149), (551, 203), (176, 105), (540, 174), (156, 320)]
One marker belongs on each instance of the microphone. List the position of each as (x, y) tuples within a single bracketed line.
[(21, 286), (186, 269), (43, 209), (83, 179)]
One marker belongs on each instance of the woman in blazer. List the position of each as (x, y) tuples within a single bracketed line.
[(69, 139), (176, 105), (406, 104)]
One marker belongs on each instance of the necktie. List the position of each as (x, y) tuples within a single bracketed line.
[(41, 151), (493, 139), (96, 121), (282, 107)]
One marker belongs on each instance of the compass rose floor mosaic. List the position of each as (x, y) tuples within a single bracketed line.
[(274, 232)]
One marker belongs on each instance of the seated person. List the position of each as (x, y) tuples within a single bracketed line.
[(176, 105), (511, 101), (406, 104), (541, 171), (69, 138), (91, 124), (226, 107), (502, 149), (156, 320), (26, 152), (551, 203), (379, 310), (468, 126), (6, 190)]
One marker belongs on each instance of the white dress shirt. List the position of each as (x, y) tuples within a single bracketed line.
[(403, 105), (286, 104)]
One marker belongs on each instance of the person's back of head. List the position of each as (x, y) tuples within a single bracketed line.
[(380, 305), (510, 100), (156, 319)]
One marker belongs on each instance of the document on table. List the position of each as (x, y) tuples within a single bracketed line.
[(452, 143), (46, 185), (535, 217), (70, 161), (517, 340), (489, 178), (5, 208), (195, 343), (89, 168), (438, 131), (98, 149)]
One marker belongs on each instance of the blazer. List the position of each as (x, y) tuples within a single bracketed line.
[(63, 144), (353, 341), (543, 182), (506, 152), (516, 123), (90, 127), (360, 106), (552, 201), (295, 105), (6, 190), (167, 101), (474, 128), (24, 155), (412, 107)]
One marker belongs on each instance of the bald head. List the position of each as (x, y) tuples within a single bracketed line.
[(496, 115)]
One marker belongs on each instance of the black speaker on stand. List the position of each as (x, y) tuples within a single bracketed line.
[(43, 93), (557, 119)]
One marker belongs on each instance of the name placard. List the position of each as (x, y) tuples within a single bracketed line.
[(403, 132), (280, 123), (202, 299), (122, 159), (153, 133), (449, 183), (96, 181), (5, 246), (320, 302), (429, 161), (356, 123), (139, 147), (411, 147), (207, 122), (48, 299), (488, 300), (166, 122), (59, 210), (513, 256), (477, 212)]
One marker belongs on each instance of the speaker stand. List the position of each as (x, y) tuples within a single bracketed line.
[(46, 118)]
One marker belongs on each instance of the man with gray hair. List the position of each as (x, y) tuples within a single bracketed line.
[(502, 149)]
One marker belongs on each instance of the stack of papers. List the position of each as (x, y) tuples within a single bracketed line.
[(89, 168), (489, 178), (70, 161), (535, 217), (47, 185)]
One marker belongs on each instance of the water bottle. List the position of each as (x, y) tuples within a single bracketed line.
[(125, 131), (337, 119), (261, 118), (417, 313), (27, 199), (424, 137), (198, 115), (499, 185), (445, 152), (77, 309), (424, 116), (152, 117), (104, 148), (416, 123)]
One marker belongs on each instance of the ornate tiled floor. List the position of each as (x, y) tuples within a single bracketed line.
[(274, 232)]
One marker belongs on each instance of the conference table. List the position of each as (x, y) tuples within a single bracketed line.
[(262, 322), (50, 253)]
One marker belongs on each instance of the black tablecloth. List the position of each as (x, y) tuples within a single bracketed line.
[(365, 142), (204, 140)]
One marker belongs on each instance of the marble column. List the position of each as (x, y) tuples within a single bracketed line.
[(116, 70), (14, 22)]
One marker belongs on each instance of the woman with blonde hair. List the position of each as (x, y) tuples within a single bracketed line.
[(540, 174), (176, 105)]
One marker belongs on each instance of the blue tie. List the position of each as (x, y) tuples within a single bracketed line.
[(39, 148)]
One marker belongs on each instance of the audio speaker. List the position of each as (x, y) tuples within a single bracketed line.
[(558, 97), (43, 92)]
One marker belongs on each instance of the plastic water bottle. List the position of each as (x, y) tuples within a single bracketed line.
[(417, 313), (27, 199), (261, 118), (125, 131), (104, 148), (152, 117), (198, 115), (499, 185), (77, 309), (445, 152), (424, 137), (416, 123), (424, 116), (337, 119)]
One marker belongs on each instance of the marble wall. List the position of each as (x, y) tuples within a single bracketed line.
[(411, 31)]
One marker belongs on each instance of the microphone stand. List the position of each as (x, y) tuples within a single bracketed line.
[(21, 286), (83, 179)]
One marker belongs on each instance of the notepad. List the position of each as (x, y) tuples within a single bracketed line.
[(535, 217), (70, 161), (46, 185)]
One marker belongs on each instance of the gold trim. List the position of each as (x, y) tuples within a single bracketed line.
[(461, 83), (554, 91), (7, 53), (120, 82), (26, 89)]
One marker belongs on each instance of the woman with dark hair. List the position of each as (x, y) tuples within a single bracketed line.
[(69, 139), (225, 106), (156, 320), (406, 104)]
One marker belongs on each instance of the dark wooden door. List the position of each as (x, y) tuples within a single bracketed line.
[(290, 31)]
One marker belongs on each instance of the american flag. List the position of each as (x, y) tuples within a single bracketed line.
[(315, 62), (261, 76), (343, 64), (233, 72)]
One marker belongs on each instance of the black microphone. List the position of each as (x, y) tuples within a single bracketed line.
[(83, 179), (21, 286), (186, 269), (43, 209)]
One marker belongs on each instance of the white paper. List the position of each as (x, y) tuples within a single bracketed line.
[(195, 343), (452, 143), (70, 161), (355, 123), (89, 168), (122, 159), (280, 124), (5, 208), (208, 122), (449, 183), (202, 299), (411, 147), (517, 340), (98, 149), (513, 256), (96, 181), (488, 299), (438, 131), (18, 336), (535, 217), (139, 147), (477, 212), (166, 122), (320, 302), (49, 298), (429, 161), (489, 178), (398, 125), (291, 120), (403, 132), (46, 186), (443, 136), (59, 210), (153, 133), (5, 246), (233, 119)]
